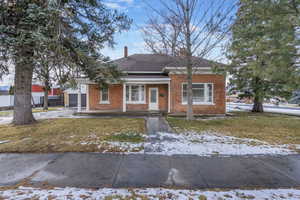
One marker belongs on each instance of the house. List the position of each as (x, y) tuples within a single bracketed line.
[(71, 97), (158, 83)]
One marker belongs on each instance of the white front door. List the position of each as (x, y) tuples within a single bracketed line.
[(153, 98)]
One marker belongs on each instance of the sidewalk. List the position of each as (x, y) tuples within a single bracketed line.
[(95, 170)]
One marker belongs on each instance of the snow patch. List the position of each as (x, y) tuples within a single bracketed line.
[(4, 141), (207, 143), (150, 193)]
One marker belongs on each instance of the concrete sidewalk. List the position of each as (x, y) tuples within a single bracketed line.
[(95, 170)]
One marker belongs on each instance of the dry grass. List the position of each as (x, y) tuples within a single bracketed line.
[(272, 128), (5, 113), (34, 110), (69, 135)]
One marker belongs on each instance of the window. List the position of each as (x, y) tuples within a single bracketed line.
[(104, 96), (202, 93), (135, 94)]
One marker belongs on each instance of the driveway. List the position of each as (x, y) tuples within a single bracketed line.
[(95, 170)]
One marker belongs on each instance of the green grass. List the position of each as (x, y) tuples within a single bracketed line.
[(126, 137), (68, 135), (272, 128)]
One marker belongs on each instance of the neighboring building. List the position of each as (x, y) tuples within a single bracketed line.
[(4, 90), (71, 97), (158, 83), (295, 99)]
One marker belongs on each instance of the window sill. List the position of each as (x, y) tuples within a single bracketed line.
[(200, 104), (136, 102), (104, 102)]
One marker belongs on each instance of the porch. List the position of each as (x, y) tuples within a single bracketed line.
[(108, 113), (136, 95)]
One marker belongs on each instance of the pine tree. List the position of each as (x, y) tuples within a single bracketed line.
[(74, 30), (263, 49)]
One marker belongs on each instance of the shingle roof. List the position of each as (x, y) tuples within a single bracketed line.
[(155, 62)]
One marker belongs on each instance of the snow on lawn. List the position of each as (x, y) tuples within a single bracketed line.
[(149, 193), (207, 143)]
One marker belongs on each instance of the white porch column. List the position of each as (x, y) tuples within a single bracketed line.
[(169, 97), (79, 98), (87, 98), (124, 97)]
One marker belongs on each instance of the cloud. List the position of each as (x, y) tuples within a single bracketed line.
[(118, 4), (113, 5)]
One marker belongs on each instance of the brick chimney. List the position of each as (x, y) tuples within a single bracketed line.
[(125, 52)]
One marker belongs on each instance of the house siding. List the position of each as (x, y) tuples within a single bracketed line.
[(218, 81), (176, 106), (116, 98)]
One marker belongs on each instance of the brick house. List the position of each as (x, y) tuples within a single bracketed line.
[(156, 82)]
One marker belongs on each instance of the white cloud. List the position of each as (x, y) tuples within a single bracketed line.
[(113, 5)]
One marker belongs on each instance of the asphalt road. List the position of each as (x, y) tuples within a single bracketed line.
[(95, 170)]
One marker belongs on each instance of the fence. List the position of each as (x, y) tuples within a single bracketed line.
[(6, 100)]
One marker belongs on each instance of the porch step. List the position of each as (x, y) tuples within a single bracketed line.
[(130, 113)]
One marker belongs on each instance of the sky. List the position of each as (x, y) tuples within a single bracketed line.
[(138, 11)]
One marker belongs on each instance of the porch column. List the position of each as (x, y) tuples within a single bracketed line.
[(87, 98), (79, 98), (169, 97), (124, 97)]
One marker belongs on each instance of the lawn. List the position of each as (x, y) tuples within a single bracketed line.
[(72, 135), (272, 128), (34, 110)]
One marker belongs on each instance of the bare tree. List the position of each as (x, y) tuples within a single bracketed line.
[(198, 27), (162, 38)]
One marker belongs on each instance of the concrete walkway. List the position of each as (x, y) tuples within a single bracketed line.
[(95, 170)]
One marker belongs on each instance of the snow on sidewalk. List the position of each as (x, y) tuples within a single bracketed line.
[(207, 143), (148, 193)]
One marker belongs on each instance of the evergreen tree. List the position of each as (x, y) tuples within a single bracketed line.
[(263, 50), (73, 30)]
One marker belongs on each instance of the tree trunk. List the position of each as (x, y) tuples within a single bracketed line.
[(46, 90), (258, 96), (189, 66), (23, 82), (189, 114), (258, 105)]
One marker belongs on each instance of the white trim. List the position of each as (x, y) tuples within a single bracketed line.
[(157, 98), (146, 79), (87, 98), (172, 68), (124, 97), (143, 72), (169, 97), (205, 93), (107, 101), (79, 98), (140, 94)]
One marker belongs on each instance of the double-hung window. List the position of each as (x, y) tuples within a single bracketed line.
[(104, 95), (202, 93), (135, 94)]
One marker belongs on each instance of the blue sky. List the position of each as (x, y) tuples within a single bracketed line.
[(137, 10)]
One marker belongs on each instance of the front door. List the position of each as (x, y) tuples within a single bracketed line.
[(153, 98)]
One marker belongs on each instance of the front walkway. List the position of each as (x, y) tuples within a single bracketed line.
[(95, 170)]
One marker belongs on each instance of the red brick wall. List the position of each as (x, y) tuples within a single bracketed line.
[(219, 93), (116, 98)]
